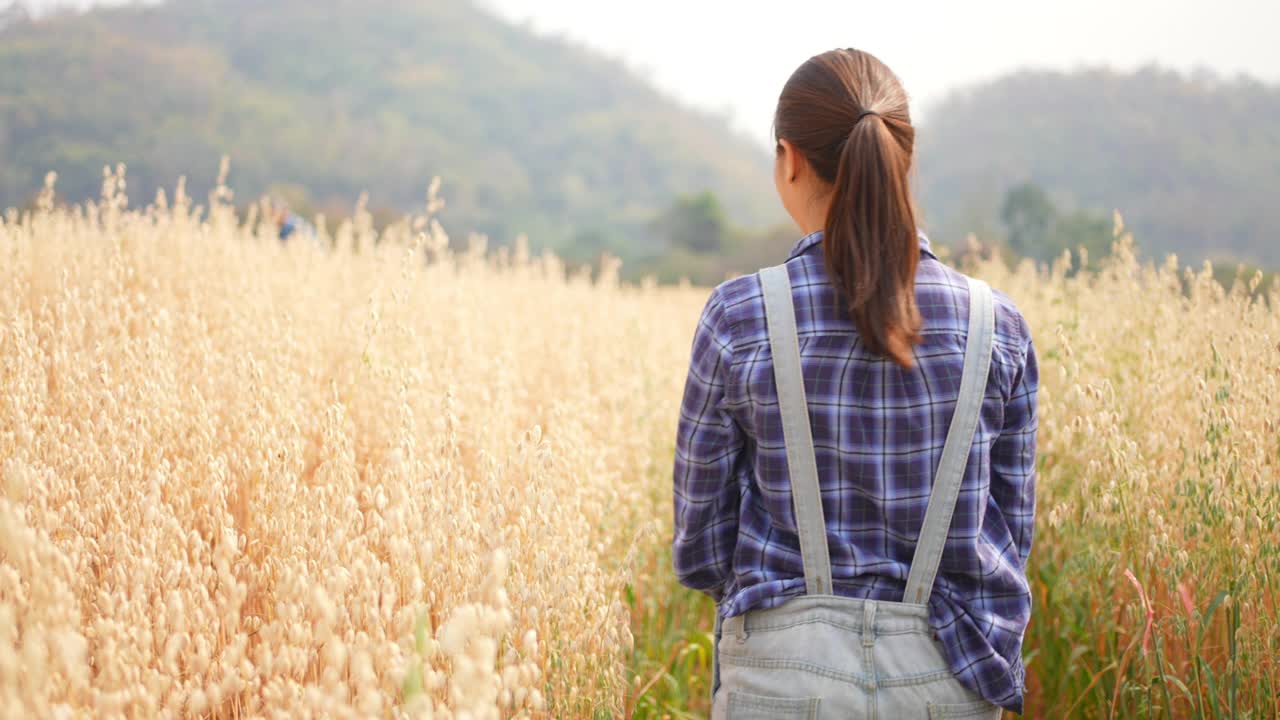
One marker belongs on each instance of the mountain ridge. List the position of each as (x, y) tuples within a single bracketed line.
[(1189, 160), (529, 133)]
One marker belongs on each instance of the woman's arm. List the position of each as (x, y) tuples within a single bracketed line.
[(1013, 455), (708, 442)]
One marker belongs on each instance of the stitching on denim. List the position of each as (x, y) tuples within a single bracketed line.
[(917, 679), (941, 711), (806, 600), (759, 702), (756, 625), (777, 664)]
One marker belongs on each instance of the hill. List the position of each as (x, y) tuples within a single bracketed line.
[(319, 101), (1192, 162), (530, 133)]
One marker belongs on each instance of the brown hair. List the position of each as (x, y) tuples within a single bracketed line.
[(846, 112)]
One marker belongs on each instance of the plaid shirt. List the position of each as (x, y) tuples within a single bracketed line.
[(878, 431)]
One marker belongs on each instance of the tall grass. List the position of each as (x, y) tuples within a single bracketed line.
[(245, 479), (1156, 565), (242, 479)]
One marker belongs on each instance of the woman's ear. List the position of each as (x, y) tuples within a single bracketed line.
[(789, 160)]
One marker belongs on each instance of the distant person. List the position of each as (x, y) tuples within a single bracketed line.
[(290, 225), (855, 457)]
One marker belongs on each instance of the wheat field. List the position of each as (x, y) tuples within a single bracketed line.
[(386, 479)]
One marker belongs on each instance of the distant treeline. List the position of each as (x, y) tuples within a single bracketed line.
[(697, 241), (1192, 162)]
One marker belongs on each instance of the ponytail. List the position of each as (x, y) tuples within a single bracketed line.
[(869, 242), (847, 113)]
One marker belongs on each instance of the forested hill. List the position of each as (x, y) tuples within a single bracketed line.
[(529, 133), (319, 100), (1193, 163)]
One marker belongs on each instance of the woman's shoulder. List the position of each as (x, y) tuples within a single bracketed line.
[(1011, 324), (941, 292), (743, 296), (740, 289), (738, 305)]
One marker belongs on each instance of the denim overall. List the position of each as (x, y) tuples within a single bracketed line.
[(820, 656)]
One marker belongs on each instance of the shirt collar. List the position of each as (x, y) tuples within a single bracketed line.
[(814, 238)]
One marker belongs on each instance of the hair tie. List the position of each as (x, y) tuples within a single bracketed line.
[(864, 114)]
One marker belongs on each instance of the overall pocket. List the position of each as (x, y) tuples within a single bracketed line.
[(745, 706)]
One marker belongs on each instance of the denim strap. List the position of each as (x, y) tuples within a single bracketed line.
[(801, 462), (955, 453)]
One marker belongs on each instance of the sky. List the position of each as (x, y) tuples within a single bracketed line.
[(732, 57)]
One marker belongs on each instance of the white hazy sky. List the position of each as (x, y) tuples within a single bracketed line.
[(733, 57)]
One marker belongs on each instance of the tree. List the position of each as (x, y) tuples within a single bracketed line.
[(696, 222), (1028, 215), (1081, 228), (1037, 229)]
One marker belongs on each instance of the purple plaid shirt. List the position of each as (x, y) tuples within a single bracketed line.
[(878, 432)]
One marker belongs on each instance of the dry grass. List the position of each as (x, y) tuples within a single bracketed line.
[(1156, 568), (241, 479), (244, 479)]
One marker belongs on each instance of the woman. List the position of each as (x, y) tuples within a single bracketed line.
[(866, 548)]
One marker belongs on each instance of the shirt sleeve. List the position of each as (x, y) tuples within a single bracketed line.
[(708, 444), (1013, 455)]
